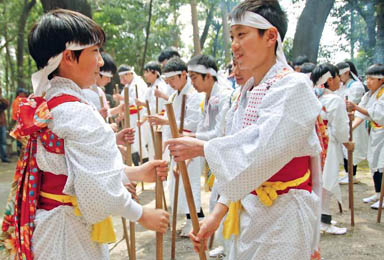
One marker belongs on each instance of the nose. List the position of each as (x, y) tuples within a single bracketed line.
[(100, 61), (235, 45)]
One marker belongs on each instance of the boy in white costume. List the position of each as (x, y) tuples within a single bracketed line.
[(270, 138), (371, 108), (354, 90), (175, 73), (130, 80), (62, 210), (326, 79)]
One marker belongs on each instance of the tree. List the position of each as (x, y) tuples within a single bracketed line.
[(81, 6), (307, 36), (26, 9), (147, 35), (196, 40)]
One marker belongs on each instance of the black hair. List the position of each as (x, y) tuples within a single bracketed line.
[(175, 64), (300, 60), (350, 65), (307, 67), (123, 68), (205, 60), (167, 54), (49, 36), (109, 63), (321, 69), (21, 90), (153, 66), (269, 9), (375, 69), (229, 68)]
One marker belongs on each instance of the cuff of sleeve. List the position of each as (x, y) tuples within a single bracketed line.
[(134, 212), (224, 200), (109, 113), (358, 114), (124, 178)]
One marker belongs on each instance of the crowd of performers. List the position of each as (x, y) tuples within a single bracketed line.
[(268, 136)]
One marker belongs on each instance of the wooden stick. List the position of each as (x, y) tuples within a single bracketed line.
[(380, 201), (350, 170), (157, 102), (129, 163), (139, 128), (159, 194), (187, 185), (340, 207), (150, 126), (126, 237), (176, 188)]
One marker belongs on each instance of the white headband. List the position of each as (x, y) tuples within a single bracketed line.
[(171, 74), (342, 71), (257, 21), (376, 76), (132, 70), (323, 79), (106, 74), (202, 69), (40, 80)]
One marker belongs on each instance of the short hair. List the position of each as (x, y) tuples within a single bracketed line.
[(300, 60), (124, 67), (21, 90), (49, 36), (206, 60), (307, 67), (269, 9), (375, 69), (153, 66), (321, 69), (109, 63), (175, 64), (167, 54)]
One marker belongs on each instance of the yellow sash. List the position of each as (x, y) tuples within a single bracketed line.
[(267, 194), (102, 232)]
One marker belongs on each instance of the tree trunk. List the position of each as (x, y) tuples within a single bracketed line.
[(196, 40), (310, 28), (224, 15), (146, 37), (208, 22), (379, 57), (216, 40), (81, 6), (353, 39), (28, 5)]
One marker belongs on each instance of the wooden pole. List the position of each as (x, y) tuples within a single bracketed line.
[(380, 201), (139, 128), (159, 194), (126, 237), (350, 169), (176, 188), (129, 163), (157, 102), (187, 185)]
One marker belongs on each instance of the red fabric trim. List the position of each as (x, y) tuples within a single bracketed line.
[(295, 169)]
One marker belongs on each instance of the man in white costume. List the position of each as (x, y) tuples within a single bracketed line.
[(371, 108), (354, 90), (326, 79), (64, 214), (175, 73), (270, 138)]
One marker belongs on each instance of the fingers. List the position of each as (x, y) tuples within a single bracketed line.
[(164, 221)]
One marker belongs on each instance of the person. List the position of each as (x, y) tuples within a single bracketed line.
[(299, 61), (307, 68), (21, 93), (3, 128), (175, 73), (354, 90), (71, 179), (371, 108), (167, 54), (270, 140), (326, 80)]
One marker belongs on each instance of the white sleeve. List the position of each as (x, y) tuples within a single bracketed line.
[(338, 119), (193, 112), (363, 104), (285, 129), (356, 92), (376, 111), (94, 164)]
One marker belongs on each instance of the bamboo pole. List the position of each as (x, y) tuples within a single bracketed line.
[(176, 188), (139, 128), (380, 201), (187, 185), (126, 237), (350, 169), (159, 194), (129, 163), (157, 102)]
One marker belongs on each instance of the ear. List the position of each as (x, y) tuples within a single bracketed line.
[(271, 36), (68, 57)]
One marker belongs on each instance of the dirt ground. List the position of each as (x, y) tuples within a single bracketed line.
[(364, 241)]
